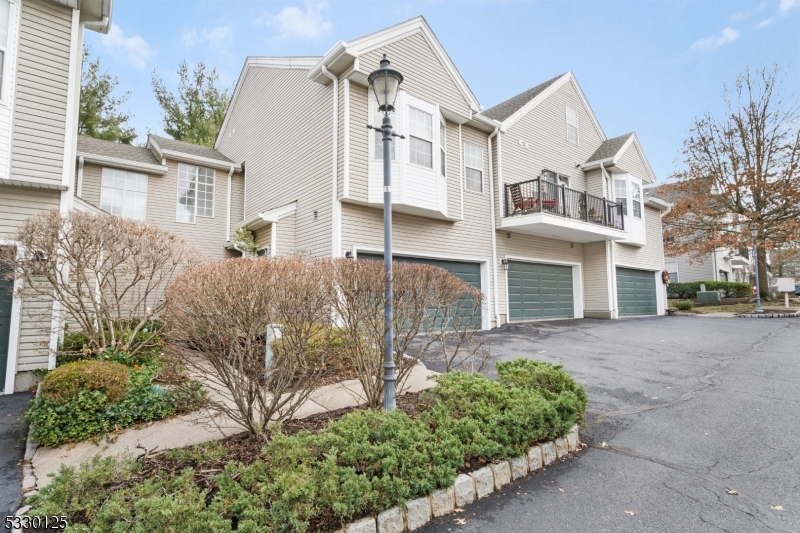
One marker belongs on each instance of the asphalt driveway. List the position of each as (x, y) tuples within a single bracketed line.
[(682, 410), (13, 431)]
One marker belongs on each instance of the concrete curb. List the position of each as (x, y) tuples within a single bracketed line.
[(467, 489), (769, 315)]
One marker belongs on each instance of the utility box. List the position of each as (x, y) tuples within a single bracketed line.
[(785, 285), (707, 297)]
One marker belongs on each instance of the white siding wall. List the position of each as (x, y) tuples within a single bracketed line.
[(633, 162), (7, 89), (595, 279), (645, 257)]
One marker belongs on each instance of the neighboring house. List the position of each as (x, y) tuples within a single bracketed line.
[(721, 264), (193, 191), (528, 201), (40, 72)]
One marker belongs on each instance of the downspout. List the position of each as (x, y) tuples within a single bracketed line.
[(228, 223), (79, 188), (610, 270), (494, 228), (714, 263), (336, 206)]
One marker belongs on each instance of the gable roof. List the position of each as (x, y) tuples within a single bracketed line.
[(503, 110), (171, 145), (357, 47), (114, 150), (609, 148), (523, 103)]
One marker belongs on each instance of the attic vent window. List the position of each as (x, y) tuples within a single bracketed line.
[(572, 125)]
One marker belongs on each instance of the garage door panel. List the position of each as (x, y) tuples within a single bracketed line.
[(636, 292), (537, 291), (469, 272)]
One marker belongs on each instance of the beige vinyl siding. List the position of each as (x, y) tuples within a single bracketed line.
[(544, 129), (34, 334), (632, 161), (263, 237), (532, 248), (237, 200), (20, 203), (424, 76), (285, 239), (455, 168), (40, 106), (281, 128), (207, 233), (594, 183), (359, 143), (693, 269), (595, 278), (649, 257)]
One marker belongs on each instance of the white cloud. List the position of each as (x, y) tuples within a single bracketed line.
[(728, 35), (295, 22), (133, 49), (215, 38), (765, 23), (787, 5)]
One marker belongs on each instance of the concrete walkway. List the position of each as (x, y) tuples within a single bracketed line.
[(185, 430), (13, 429)]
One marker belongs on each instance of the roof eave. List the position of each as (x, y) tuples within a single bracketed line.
[(150, 168)]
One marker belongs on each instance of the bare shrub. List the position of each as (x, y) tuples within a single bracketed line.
[(216, 320), (435, 316), (105, 273)]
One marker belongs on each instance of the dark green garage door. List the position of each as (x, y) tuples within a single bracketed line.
[(538, 291), (469, 272), (636, 292), (6, 299)]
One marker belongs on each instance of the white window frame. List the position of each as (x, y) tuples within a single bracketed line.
[(570, 125), (470, 163), (192, 218), (667, 265), (622, 199), (561, 179), (431, 140), (636, 190), (376, 153), (5, 51), (442, 147), (124, 191)]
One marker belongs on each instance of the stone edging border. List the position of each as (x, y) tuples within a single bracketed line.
[(29, 483), (768, 315), (467, 489)]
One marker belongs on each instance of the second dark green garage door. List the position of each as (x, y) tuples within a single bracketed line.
[(538, 291), (636, 292)]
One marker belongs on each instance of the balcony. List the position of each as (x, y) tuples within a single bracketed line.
[(539, 207)]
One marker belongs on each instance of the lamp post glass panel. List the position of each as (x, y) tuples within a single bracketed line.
[(754, 233), (385, 83)]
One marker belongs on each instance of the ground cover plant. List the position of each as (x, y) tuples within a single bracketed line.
[(307, 477)]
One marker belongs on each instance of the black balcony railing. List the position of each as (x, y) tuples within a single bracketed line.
[(541, 196)]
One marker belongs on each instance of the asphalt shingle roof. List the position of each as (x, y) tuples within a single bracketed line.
[(90, 145), (503, 110), (609, 148), (190, 149)]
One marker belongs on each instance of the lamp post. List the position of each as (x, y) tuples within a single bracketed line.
[(754, 233), (385, 83)]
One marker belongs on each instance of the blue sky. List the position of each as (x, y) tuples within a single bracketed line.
[(646, 65)]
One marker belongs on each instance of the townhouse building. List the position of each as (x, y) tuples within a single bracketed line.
[(40, 70), (529, 200)]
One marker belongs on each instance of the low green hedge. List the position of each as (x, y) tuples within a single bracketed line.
[(89, 413), (729, 289), (361, 464)]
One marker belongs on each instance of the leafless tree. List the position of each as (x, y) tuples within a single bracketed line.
[(740, 169), (105, 273), (216, 321)]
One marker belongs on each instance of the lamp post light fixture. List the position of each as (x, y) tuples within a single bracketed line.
[(385, 83), (754, 233)]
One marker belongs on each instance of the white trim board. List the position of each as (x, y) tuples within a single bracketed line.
[(577, 284), (14, 330)]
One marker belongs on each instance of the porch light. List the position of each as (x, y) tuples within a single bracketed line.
[(504, 262), (385, 83)]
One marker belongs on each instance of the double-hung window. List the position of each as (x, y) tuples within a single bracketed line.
[(636, 199), (123, 193), (473, 167), (621, 194), (420, 137), (572, 125), (195, 193), (672, 269), (5, 15), (442, 148), (377, 120), (555, 178)]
